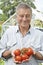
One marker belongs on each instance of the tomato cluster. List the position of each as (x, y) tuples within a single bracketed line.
[(22, 54)]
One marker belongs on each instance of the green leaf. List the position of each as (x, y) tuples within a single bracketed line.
[(1, 62)]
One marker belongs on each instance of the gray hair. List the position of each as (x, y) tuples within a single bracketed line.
[(24, 6)]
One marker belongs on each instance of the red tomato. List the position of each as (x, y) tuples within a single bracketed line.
[(29, 52), (18, 58), (24, 57), (17, 52)]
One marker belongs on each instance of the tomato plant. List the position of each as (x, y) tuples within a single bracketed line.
[(23, 50)]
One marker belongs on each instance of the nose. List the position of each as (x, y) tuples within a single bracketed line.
[(24, 18)]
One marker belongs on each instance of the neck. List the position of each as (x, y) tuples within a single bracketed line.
[(24, 30)]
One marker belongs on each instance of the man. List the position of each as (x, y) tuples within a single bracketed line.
[(20, 36)]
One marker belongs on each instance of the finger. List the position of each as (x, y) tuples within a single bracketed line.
[(12, 53), (26, 60), (17, 62)]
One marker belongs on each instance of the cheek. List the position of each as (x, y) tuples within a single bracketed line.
[(19, 19), (29, 20)]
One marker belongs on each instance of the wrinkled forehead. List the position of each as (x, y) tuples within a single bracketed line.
[(24, 11)]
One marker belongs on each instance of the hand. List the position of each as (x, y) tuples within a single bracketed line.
[(17, 62), (34, 52), (6, 54), (12, 53), (27, 60), (24, 61)]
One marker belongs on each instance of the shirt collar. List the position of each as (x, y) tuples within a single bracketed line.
[(17, 29)]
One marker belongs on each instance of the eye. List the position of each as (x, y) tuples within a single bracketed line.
[(27, 15), (21, 16)]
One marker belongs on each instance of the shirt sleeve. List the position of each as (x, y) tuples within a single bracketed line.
[(41, 43), (3, 42)]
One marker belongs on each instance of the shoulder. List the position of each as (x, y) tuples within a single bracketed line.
[(11, 29), (37, 32)]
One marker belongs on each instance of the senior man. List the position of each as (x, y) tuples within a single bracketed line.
[(21, 36)]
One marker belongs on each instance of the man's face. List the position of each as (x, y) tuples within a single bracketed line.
[(24, 17)]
